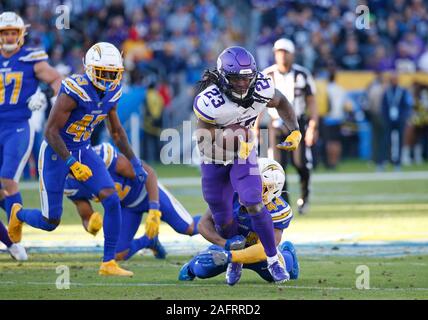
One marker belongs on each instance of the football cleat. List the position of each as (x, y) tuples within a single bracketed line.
[(15, 225), (278, 272), (17, 252), (302, 206), (233, 273), (95, 223), (288, 246), (111, 268), (158, 250), (184, 274)]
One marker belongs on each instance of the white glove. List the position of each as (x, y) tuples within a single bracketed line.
[(37, 101)]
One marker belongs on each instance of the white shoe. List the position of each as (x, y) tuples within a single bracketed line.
[(17, 252)]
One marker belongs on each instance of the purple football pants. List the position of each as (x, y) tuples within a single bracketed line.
[(219, 182)]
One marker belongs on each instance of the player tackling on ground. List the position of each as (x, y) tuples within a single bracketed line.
[(236, 93)]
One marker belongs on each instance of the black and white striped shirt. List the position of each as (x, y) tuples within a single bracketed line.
[(295, 85)]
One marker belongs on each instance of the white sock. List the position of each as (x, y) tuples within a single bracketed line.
[(405, 156), (418, 153), (271, 260)]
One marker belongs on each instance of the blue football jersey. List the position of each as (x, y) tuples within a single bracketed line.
[(130, 191), (91, 109), (279, 210), (18, 82)]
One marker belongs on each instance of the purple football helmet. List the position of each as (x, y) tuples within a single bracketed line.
[(238, 72)]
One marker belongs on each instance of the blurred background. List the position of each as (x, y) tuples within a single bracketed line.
[(168, 44)]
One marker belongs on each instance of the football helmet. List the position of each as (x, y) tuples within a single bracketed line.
[(11, 21), (273, 178), (238, 72), (104, 66)]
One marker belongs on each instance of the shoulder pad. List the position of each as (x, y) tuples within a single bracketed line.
[(73, 86), (265, 86), (117, 95), (206, 102), (107, 152), (33, 55)]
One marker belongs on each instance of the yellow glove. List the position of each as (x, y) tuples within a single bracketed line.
[(291, 142), (80, 171), (245, 148), (152, 223)]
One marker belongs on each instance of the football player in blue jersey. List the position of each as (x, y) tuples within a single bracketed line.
[(83, 102), (136, 198), (246, 248), (21, 69)]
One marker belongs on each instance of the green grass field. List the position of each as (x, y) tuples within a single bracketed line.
[(349, 212), (321, 278)]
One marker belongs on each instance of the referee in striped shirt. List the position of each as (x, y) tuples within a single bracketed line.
[(297, 84)]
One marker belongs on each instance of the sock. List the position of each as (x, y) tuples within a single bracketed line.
[(4, 237), (35, 218), (111, 225), (138, 244), (10, 200), (262, 224), (195, 225)]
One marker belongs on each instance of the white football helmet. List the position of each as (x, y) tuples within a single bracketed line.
[(273, 178), (104, 65), (11, 21)]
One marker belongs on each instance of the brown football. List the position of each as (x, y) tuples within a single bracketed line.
[(227, 138)]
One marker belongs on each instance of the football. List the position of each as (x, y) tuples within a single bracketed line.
[(227, 138)]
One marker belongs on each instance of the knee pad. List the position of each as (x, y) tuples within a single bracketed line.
[(255, 208), (49, 224), (54, 214), (111, 202)]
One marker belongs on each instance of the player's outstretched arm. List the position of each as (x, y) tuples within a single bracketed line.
[(46, 73), (84, 209), (154, 215), (124, 167), (92, 221), (286, 112), (120, 139), (207, 229)]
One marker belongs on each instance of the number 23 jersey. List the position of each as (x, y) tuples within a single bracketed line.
[(214, 107), (90, 111)]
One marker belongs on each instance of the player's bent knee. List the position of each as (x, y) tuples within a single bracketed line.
[(105, 193), (255, 208), (50, 224)]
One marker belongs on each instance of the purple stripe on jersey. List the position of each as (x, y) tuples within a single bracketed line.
[(195, 105)]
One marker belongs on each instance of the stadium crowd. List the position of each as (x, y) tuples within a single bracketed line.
[(167, 44)]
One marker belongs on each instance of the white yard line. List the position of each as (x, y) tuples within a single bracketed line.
[(320, 177), (147, 284)]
